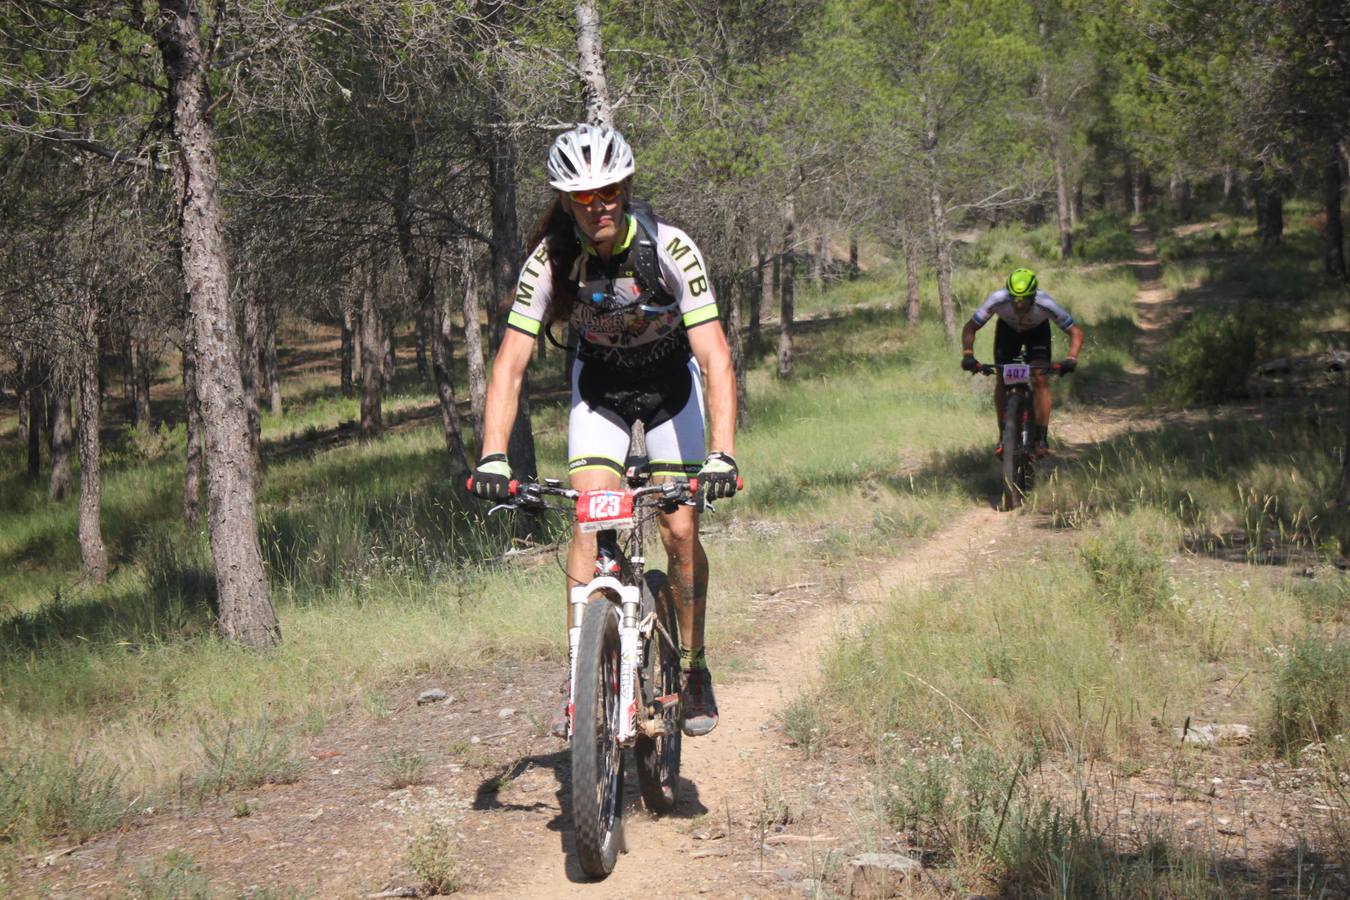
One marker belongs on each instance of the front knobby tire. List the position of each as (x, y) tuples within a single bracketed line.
[(1012, 452), (658, 759), (597, 759)]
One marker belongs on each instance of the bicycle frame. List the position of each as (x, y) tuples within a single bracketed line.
[(618, 578)]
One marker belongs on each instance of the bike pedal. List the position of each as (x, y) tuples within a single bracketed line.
[(667, 701)]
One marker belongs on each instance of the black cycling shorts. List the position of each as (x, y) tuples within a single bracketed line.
[(1009, 343)]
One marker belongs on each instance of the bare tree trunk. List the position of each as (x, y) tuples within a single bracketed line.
[(246, 612), (390, 356), (271, 373), (349, 348), (421, 337), (58, 441), (93, 554), (1138, 191), (428, 310), (192, 472), (819, 261), (760, 276), (1331, 198), (1063, 205), (912, 273), (442, 363), (853, 269), (141, 364), (591, 55), (473, 344), (1076, 207), (787, 287), (937, 225), (506, 254), (372, 358), (248, 370), (729, 302), (36, 406), (1272, 214)]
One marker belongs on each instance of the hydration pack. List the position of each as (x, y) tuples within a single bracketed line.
[(643, 255)]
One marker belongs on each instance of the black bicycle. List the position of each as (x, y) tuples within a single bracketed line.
[(1019, 459), (623, 643)]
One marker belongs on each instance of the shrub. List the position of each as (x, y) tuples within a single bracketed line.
[(1213, 354), (1102, 236), (1312, 694), (245, 756), (433, 855), (47, 793), (1128, 567)]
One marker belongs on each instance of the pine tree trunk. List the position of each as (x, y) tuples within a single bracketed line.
[(590, 53), (732, 320), (818, 262), (246, 612), (473, 345), (36, 404), (442, 364), (58, 441), (1331, 199), (506, 254), (1138, 191), (192, 472), (912, 274), (271, 372), (387, 329), (372, 358), (1063, 204), (938, 235), (348, 347), (248, 370), (787, 288), (853, 269), (759, 277), (141, 364), (421, 337), (1272, 215), (93, 553)]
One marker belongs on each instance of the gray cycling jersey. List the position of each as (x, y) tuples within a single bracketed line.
[(1043, 309)]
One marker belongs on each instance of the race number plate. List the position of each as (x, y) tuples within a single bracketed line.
[(1016, 374), (603, 510)]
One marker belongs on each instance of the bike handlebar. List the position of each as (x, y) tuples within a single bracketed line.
[(532, 493), (991, 368)]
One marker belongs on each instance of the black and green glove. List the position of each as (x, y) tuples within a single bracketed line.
[(492, 477), (719, 475)]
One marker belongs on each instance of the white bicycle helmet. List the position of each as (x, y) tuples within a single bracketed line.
[(589, 157)]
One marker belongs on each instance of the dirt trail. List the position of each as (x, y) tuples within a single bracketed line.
[(723, 770)]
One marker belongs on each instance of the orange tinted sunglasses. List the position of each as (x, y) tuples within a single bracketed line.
[(607, 194)]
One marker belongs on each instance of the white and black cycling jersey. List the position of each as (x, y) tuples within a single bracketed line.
[(618, 327), (1042, 309)]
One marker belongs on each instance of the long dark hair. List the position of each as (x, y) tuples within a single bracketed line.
[(557, 232)]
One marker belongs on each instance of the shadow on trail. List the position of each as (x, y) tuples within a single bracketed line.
[(488, 798)]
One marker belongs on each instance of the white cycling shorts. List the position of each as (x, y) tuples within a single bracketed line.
[(604, 408)]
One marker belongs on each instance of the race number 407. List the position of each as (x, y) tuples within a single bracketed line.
[(1016, 373)]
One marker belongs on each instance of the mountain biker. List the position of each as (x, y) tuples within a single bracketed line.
[(1024, 313), (643, 348)]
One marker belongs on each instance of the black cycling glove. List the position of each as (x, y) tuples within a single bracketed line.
[(492, 477), (719, 475), (1068, 365), (970, 363)]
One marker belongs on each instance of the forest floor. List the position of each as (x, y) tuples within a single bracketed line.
[(758, 814)]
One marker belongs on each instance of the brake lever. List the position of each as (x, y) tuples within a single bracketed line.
[(501, 506)]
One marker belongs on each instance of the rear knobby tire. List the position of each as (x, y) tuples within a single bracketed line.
[(658, 759), (1012, 451), (597, 759)]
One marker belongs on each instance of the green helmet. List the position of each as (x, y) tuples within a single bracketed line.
[(1022, 284)]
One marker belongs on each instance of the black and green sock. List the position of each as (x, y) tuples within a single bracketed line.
[(692, 659)]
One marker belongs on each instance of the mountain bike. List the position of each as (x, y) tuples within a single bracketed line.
[(624, 659), (1019, 461)]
